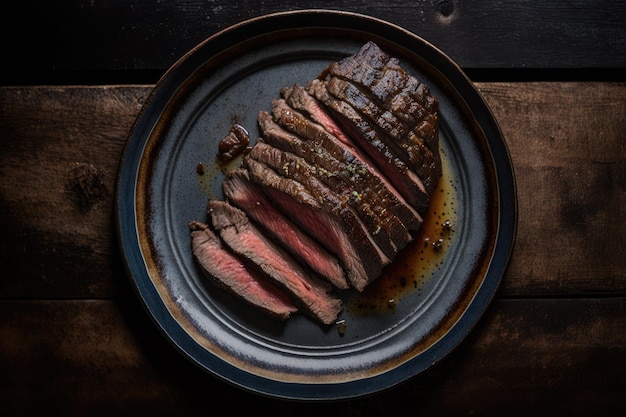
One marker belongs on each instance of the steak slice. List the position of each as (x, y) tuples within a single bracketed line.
[(339, 235), (338, 200), (229, 273), (297, 98), (311, 294), (369, 139), (344, 177), (298, 123), (245, 195)]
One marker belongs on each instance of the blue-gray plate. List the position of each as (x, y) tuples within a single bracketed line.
[(418, 313)]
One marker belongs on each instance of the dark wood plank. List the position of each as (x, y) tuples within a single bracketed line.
[(60, 149), (568, 146), (58, 237), (103, 357), (141, 35)]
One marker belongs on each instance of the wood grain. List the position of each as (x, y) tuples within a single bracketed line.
[(139, 35), (568, 146), (55, 241), (567, 143), (102, 357)]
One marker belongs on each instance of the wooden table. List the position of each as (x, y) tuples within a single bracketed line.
[(74, 339)]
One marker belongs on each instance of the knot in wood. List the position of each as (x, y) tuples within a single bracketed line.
[(445, 8), (86, 182)]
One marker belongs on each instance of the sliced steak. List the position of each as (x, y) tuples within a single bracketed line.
[(397, 130), (298, 123), (345, 178), (369, 139), (395, 90), (338, 199), (331, 191), (393, 86), (363, 67), (410, 100), (228, 272), (245, 195), (311, 294), (397, 135), (341, 236)]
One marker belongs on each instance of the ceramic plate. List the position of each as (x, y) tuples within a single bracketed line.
[(412, 317)]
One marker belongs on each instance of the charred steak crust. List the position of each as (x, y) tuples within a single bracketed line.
[(366, 137), (334, 187)]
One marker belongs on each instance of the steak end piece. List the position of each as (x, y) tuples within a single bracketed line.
[(226, 271), (311, 294)]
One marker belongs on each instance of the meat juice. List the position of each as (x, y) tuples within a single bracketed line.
[(416, 263), (208, 174)]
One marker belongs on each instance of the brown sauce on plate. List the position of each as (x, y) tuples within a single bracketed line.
[(416, 263)]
